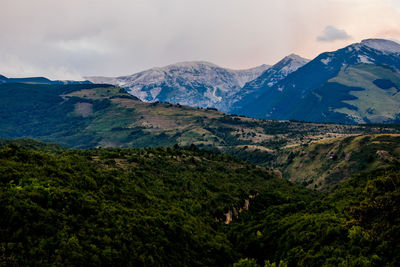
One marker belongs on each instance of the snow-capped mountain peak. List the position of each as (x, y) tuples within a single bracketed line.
[(289, 64), (385, 46), (279, 71)]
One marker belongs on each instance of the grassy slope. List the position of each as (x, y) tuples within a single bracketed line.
[(324, 164), (373, 103)]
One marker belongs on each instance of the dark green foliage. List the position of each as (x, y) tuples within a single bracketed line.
[(39, 110), (357, 225), (167, 206), (120, 207)]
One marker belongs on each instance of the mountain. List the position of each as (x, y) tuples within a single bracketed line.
[(38, 80), (196, 84), (253, 89), (356, 84)]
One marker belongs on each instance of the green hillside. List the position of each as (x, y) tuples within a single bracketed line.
[(380, 99), (185, 207), (324, 164)]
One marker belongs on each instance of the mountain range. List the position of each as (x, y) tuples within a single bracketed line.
[(356, 84), (196, 84)]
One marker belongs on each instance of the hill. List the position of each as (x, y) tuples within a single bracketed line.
[(324, 164), (90, 115)]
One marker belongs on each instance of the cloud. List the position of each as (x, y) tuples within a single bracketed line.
[(67, 38), (331, 34)]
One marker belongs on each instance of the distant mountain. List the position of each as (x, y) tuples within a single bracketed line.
[(356, 84), (267, 79), (197, 84), (38, 80)]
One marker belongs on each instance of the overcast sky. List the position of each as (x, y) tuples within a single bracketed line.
[(68, 39)]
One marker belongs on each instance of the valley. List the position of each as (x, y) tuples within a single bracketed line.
[(200, 133)]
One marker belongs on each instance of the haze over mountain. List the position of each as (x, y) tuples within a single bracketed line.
[(196, 83)]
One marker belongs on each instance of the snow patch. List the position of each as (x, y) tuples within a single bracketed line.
[(155, 91), (364, 59), (326, 61)]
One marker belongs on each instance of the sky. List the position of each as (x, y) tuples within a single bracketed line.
[(70, 39)]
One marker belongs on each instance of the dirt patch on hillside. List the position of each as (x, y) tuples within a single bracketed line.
[(84, 109)]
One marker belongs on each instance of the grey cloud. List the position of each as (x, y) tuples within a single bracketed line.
[(331, 34), (74, 38)]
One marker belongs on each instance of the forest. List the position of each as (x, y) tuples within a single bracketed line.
[(183, 206)]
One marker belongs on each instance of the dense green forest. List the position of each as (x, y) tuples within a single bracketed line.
[(185, 207)]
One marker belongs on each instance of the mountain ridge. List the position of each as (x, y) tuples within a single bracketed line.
[(39, 80)]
